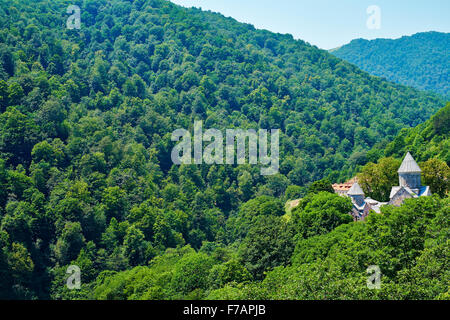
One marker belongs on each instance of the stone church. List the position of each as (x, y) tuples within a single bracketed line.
[(409, 175), (410, 186)]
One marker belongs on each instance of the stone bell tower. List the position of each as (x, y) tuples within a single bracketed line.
[(409, 173), (356, 193)]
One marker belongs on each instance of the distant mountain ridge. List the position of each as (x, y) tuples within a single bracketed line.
[(420, 60)]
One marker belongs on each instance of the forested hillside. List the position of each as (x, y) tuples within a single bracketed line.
[(420, 61), (86, 176), (430, 139)]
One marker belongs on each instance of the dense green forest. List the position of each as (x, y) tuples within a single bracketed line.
[(420, 60), (430, 139), (86, 176)]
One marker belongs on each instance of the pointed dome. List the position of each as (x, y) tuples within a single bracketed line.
[(409, 165), (355, 190)]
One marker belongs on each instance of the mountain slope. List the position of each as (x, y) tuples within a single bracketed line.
[(216, 67), (430, 139), (420, 61), (86, 118)]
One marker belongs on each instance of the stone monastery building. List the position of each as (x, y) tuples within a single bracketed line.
[(410, 186)]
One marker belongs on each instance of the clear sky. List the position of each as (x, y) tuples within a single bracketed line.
[(331, 23)]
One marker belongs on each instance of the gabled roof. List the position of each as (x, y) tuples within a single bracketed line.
[(397, 189), (409, 165), (394, 191), (355, 190), (423, 191)]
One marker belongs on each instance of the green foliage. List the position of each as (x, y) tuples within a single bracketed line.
[(441, 121), (230, 271), (333, 265), (251, 211), (20, 262), (294, 192), (436, 174), (17, 135), (191, 273), (177, 273), (70, 243), (3, 184), (319, 186), (136, 249), (378, 179), (424, 142), (321, 213), (268, 244)]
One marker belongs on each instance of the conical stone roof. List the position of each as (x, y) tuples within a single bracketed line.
[(355, 190), (409, 165)]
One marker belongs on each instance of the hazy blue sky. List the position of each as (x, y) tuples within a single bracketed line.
[(332, 23)]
